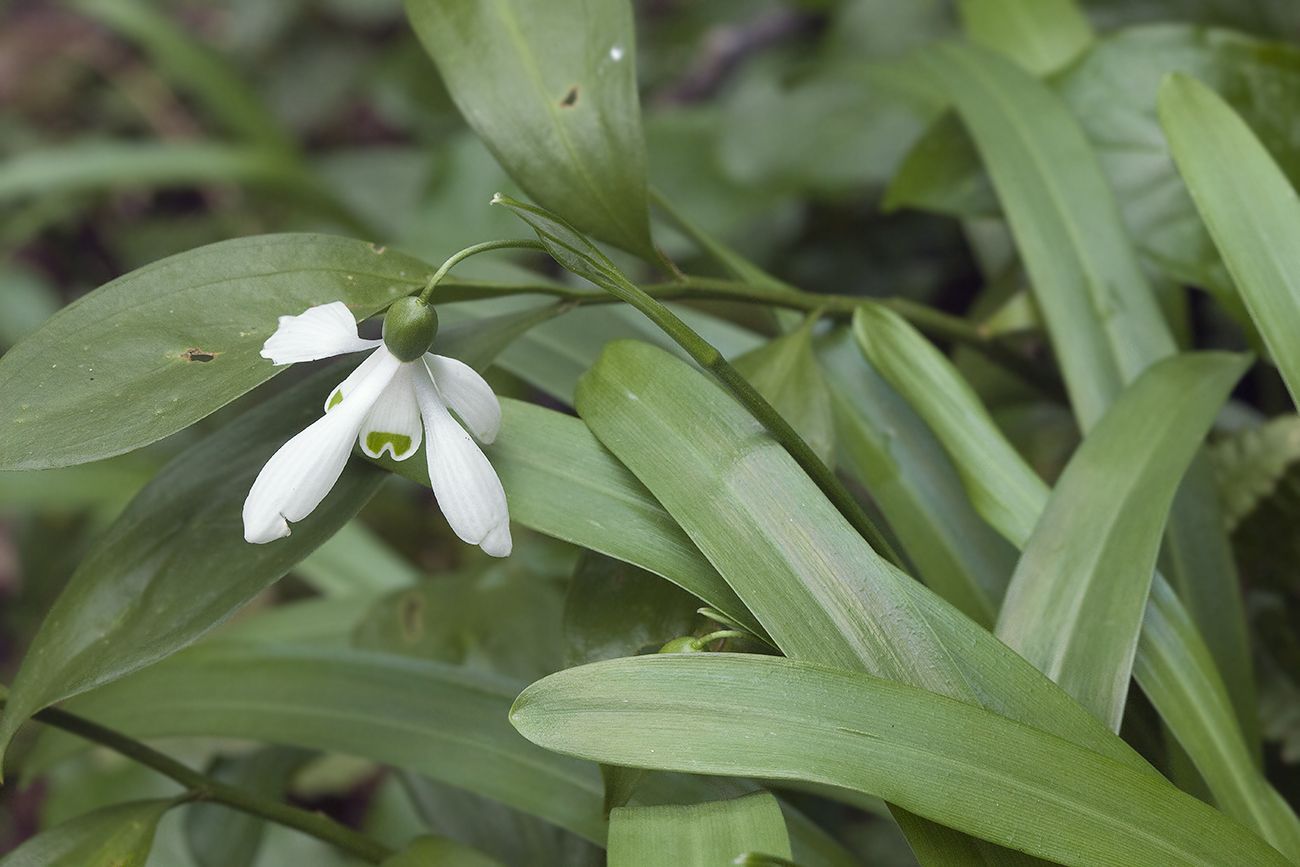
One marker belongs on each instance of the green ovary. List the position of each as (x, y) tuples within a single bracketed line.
[(399, 444)]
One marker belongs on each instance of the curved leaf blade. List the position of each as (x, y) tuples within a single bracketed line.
[(117, 836), (947, 760), (156, 350), (1075, 603), (551, 89), (1249, 207), (1041, 35), (175, 563)]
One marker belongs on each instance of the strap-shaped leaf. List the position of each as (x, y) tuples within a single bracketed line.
[(551, 89), (160, 348), (1100, 311), (1075, 603), (1249, 207), (946, 760), (175, 563), (1173, 666)]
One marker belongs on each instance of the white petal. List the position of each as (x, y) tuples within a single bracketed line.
[(468, 394), (301, 473), (393, 423), (318, 333), (359, 373), (465, 484)]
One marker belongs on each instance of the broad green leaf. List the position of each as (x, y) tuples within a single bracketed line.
[(355, 561), (439, 852), (1075, 603), (942, 173), (954, 763), (92, 166), (193, 66), (175, 563), (613, 609), (560, 481), (118, 836), (1249, 207), (502, 617), (1099, 310), (786, 373), (439, 720), (821, 592), (889, 449), (1011, 497), (1041, 35), (219, 836), (160, 348), (700, 835), (552, 92)]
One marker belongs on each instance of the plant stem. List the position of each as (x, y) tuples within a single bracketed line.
[(937, 325), (203, 787), (502, 244)]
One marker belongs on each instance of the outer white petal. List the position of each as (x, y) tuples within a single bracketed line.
[(301, 473), (467, 393), (393, 423), (318, 333), (359, 373), (465, 484)]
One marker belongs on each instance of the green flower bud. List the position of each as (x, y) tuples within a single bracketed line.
[(688, 644), (409, 328)]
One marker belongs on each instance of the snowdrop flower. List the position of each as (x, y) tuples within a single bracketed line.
[(395, 399)]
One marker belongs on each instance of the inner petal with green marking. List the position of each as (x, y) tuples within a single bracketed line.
[(398, 445)]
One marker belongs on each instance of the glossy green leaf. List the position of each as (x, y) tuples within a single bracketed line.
[(1170, 663), (560, 481), (192, 65), (118, 836), (889, 449), (822, 593), (1041, 35), (613, 609), (175, 563), (1075, 603), (1249, 207), (154, 351), (699, 835), (552, 92), (1099, 310), (786, 373), (436, 719), (439, 852), (954, 763)]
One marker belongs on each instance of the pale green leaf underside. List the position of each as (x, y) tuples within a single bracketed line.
[(948, 761), (697, 835)]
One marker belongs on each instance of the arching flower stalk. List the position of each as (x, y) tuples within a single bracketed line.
[(395, 400)]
